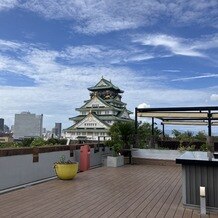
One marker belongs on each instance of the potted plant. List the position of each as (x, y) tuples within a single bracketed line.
[(122, 136), (65, 170), (116, 160)]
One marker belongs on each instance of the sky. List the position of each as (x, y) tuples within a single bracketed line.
[(162, 53)]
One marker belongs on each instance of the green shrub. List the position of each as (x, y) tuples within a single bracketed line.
[(38, 142), (27, 142), (204, 147)]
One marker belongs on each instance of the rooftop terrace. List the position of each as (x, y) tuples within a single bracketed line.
[(129, 191)]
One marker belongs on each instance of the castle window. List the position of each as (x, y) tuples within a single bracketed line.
[(95, 105)]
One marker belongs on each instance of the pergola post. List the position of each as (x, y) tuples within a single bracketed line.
[(163, 129), (210, 140), (152, 133), (136, 128)]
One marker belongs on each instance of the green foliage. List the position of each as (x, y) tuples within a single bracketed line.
[(33, 142), (62, 141), (117, 147), (176, 133), (123, 132), (190, 138), (122, 136), (9, 145), (201, 136), (27, 142), (145, 134), (37, 142), (62, 159), (53, 141), (204, 147)]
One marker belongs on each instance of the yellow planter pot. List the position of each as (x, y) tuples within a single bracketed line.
[(66, 171)]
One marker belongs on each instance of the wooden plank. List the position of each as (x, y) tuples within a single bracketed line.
[(175, 204), (180, 210), (129, 191), (187, 213), (158, 191), (107, 205), (158, 199), (115, 210), (168, 202)]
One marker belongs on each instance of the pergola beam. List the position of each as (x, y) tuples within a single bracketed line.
[(164, 115), (185, 123)]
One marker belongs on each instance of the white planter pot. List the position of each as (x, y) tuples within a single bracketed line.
[(115, 161)]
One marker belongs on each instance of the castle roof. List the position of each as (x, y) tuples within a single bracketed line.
[(104, 84)]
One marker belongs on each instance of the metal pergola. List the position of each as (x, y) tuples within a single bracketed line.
[(205, 116)]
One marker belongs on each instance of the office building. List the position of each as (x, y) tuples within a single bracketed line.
[(27, 125), (1, 125)]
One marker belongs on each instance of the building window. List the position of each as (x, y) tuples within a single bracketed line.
[(83, 113), (90, 124), (95, 105)]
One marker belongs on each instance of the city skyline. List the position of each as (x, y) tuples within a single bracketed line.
[(161, 54)]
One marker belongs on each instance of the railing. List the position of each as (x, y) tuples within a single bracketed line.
[(20, 166)]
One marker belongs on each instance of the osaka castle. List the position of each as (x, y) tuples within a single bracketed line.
[(98, 113)]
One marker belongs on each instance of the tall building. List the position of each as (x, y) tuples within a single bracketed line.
[(98, 113), (1, 125), (57, 130), (27, 125), (6, 129)]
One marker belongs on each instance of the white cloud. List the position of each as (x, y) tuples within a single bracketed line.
[(61, 86), (98, 16), (214, 97), (197, 77), (188, 11), (101, 16), (7, 4), (144, 105), (9, 45), (207, 42), (177, 46), (172, 71), (139, 57)]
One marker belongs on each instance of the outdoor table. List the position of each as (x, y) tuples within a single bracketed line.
[(198, 170)]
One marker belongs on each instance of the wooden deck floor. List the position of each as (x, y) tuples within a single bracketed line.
[(129, 191)]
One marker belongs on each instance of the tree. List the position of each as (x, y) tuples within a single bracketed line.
[(145, 134), (37, 142), (26, 142), (176, 133), (201, 136), (123, 133)]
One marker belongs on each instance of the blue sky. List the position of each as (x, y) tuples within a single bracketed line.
[(161, 53)]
